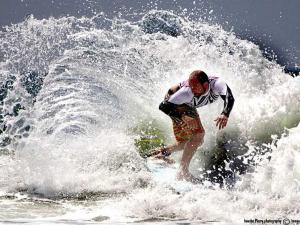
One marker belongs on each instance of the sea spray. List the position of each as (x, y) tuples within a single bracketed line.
[(93, 80)]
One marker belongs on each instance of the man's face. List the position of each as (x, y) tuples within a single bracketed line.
[(197, 88)]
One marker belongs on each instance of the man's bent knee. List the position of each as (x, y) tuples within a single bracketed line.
[(181, 142), (198, 138)]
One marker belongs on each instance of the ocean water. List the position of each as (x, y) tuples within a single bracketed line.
[(74, 90)]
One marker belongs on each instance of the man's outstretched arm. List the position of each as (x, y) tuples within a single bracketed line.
[(171, 91), (174, 103), (168, 107), (228, 99), (228, 102)]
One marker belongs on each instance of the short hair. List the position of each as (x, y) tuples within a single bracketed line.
[(200, 75)]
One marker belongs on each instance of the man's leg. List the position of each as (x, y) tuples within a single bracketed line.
[(163, 152), (195, 139), (181, 136), (177, 146), (188, 153), (187, 139)]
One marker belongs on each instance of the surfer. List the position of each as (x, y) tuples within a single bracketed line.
[(180, 104)]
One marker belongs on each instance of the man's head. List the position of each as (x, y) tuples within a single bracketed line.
[(198, 82)]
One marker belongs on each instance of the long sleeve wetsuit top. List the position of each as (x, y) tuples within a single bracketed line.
[(217, 87)]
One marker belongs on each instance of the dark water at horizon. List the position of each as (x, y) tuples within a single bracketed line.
[(273, 25)]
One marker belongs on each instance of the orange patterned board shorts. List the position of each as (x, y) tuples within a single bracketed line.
[(183, 132)]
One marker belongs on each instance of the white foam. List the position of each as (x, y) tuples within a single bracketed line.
[(102, 83)]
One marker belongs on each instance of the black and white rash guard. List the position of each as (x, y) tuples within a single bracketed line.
[(217, 87)]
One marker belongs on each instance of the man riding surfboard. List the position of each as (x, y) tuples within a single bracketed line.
[(180, 104)]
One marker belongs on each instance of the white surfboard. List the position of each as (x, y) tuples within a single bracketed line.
[(165, 174)]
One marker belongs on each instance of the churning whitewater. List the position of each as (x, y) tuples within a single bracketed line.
[(74, 91)]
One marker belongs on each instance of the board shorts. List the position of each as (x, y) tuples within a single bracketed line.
[(183, 132)]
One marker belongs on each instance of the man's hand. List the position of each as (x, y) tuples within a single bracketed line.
[(171, 91), (221, 121), (190, 122), (167, 96)]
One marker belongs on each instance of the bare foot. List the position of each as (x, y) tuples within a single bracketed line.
[(187, 176), (161, 153), (156, 151), (165, 158)]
